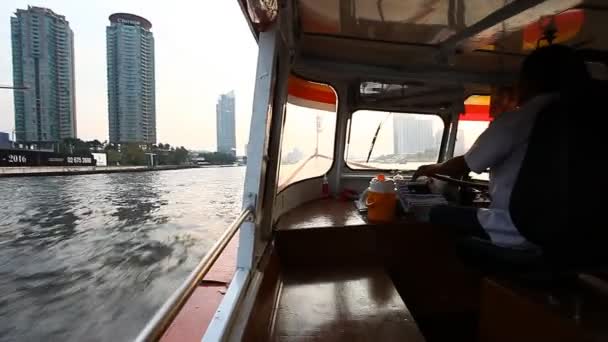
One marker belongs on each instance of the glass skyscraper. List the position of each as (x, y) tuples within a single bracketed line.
[(411, 135), (43, 62), (131, 85), (226, 135)]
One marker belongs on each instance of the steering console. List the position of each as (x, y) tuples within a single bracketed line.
[(463, 191)]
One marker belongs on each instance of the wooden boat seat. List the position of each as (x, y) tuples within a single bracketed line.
[(420, 257), (511, 311), (341, 304), (333, 282), (332, 231), (534, 264)]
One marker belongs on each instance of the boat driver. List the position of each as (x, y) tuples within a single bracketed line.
[(546, 74)]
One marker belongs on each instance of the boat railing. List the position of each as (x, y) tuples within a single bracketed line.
[(159, 323)]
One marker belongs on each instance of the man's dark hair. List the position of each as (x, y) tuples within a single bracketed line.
[(554, 68)]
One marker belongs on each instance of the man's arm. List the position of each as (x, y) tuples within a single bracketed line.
[(491, 147), (455, 167)]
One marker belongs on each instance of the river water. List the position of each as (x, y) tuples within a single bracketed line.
[(90, 258)]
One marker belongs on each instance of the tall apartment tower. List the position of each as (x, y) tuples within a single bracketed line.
[(226, 135), (43, 62), (131, 84), (411, 135)]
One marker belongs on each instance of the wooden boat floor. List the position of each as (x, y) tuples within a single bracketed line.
[(346, 304)]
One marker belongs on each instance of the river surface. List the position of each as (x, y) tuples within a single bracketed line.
[(90, 258)]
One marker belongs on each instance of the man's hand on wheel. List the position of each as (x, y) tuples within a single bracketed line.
[(426, 170), (455, 168)]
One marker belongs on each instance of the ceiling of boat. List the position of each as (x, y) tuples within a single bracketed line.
[(437, 46), (454, 27), (417, 21)]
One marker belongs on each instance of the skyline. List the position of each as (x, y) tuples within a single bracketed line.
[(200, 54)]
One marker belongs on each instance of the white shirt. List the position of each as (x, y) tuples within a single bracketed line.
[(501, 148)]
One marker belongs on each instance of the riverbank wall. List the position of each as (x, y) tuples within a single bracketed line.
[(82, 170)]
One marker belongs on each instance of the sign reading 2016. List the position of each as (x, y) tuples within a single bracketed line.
[(15, 158)]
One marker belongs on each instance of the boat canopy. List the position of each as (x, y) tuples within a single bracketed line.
[(435, 53)]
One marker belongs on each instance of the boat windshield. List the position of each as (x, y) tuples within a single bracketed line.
[(308, 144), (309, 131), (393, 141)]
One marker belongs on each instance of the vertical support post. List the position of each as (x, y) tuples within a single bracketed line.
[(275, 138), (452, 137), (444, 139), (343, 115), (257, 154)]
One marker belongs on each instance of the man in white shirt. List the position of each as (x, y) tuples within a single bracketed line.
[(547, 74)]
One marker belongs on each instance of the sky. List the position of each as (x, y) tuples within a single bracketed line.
[(202, 49)]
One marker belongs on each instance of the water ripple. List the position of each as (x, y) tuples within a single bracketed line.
[(92, 257)]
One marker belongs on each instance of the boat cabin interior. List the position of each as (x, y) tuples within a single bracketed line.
[(349, 89)]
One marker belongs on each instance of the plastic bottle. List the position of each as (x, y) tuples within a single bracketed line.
[(381, 200), (325, 188)]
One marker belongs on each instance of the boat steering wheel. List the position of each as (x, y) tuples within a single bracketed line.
[(463, 183), (466, 189)]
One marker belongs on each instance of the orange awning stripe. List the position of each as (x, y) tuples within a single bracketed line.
[(476, 108), (311, 91), (483, 100), (476, 113)]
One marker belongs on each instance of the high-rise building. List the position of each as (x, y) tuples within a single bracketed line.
[(131, 85), (43, 61), (412, 135), (226, 136)]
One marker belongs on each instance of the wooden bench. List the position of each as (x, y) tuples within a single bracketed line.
[(346, 304), (331, 231), (419, 258), (448, 300), (334, 286)]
